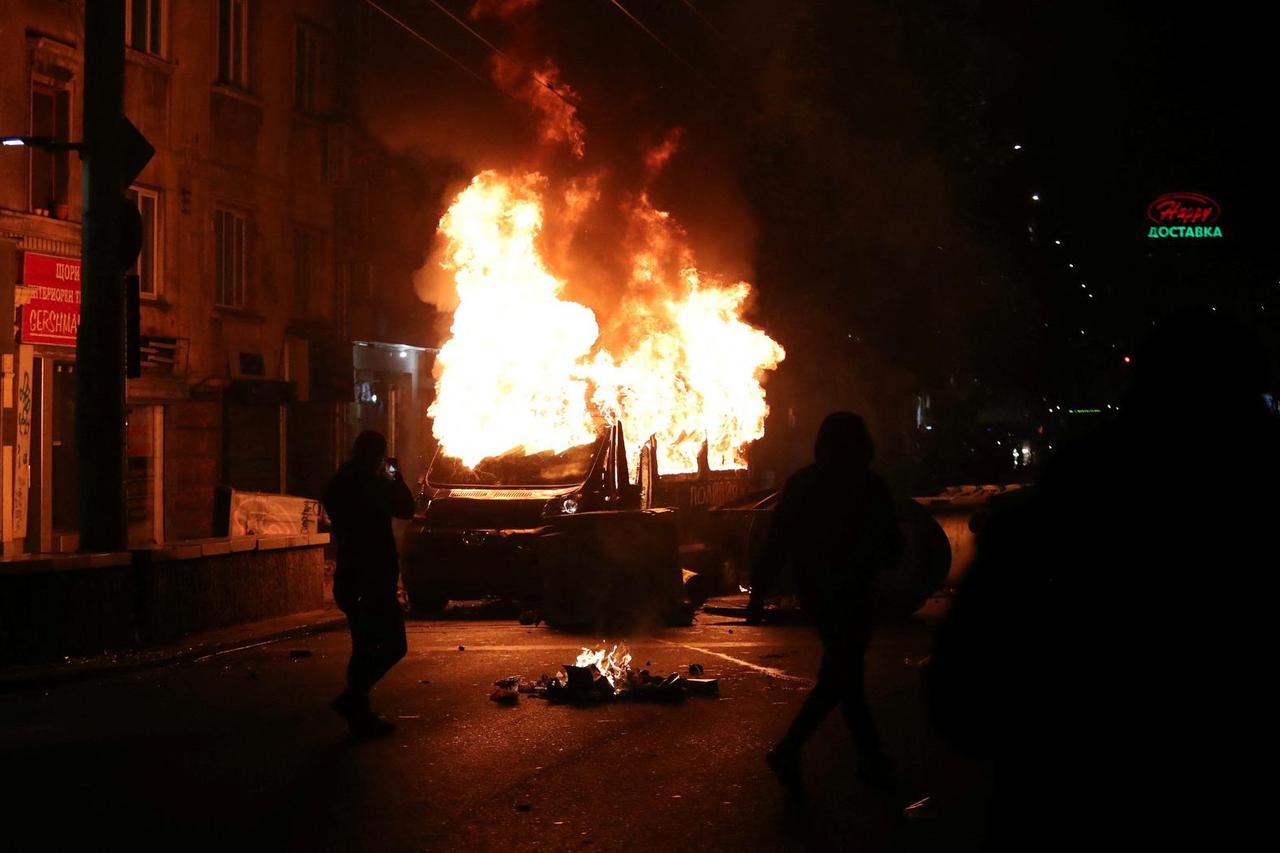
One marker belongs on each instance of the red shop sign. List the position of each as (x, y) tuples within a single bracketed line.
[(53, 314)]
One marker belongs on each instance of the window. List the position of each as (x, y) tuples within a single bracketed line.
[(50, 170), (309, 70), (306, 283), (144, 25), (229, 258), (233, 42), (147, 266)]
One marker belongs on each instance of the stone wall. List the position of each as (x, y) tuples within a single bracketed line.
[(82, 605)]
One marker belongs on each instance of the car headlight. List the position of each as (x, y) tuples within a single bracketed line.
[(561, 506)]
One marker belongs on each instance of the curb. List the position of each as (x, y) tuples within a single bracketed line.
[(54, 674)]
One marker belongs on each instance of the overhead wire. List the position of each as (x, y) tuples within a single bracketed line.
[(420, 37), (549, 86), (651, 34), (696, 11)]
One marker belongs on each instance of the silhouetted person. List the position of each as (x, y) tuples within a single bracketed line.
[(1110, 646), (361, 499), (835, 524)]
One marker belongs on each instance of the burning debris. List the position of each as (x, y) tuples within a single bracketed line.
[(604, 675)]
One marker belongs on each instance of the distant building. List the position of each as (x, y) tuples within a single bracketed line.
[(258, 279)]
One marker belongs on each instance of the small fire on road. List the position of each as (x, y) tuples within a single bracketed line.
[(604, 675)]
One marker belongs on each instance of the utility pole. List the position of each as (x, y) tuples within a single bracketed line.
[(100, 346)]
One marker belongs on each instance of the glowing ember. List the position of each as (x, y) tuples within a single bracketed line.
[(524, 368), (613, 665)]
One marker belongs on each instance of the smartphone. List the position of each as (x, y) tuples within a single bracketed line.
[(393, 465)]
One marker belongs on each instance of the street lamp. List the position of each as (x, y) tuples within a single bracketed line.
[(44, 143)]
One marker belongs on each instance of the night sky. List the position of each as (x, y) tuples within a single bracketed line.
[(856, 161)]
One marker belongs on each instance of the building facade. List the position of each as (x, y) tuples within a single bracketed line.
[(259, 292)]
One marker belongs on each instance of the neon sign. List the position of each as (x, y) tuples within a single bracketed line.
[(1182, 215)]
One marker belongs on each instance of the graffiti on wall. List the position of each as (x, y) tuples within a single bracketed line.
[(264, 514)]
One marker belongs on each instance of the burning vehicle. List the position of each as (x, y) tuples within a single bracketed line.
[(568, 529), (534, 492)]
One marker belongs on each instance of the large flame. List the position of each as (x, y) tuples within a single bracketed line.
[(524, 368), (510, 374)]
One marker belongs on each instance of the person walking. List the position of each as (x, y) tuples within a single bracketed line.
[(835, 525), (361, 499)]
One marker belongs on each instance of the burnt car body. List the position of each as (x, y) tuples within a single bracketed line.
[(569, 530)]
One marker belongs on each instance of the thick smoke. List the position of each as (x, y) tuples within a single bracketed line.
[(791, 142), (606, 145)]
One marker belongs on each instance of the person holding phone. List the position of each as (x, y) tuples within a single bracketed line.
[(361, 499)]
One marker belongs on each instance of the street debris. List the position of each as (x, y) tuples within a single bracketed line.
[(703, 686), (461, 648), (605, 675), (505, 690), (504, 696), (296, 654), (524, 807)]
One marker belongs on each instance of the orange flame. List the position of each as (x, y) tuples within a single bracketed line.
[(509, 373), (656, 157), (524, 368)]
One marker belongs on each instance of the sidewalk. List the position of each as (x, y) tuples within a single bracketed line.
[(195, 647)]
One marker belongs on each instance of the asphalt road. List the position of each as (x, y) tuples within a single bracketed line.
[(240, 751)]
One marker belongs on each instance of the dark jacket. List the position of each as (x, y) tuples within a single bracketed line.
[(1109, 643), (361, 503), (837, 528)]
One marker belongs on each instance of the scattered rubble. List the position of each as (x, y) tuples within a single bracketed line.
[(703, 686), (504, 696), (605, 675)]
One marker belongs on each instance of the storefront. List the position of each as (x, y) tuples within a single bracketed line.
[(41, 471)]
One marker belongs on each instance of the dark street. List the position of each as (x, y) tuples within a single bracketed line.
[(913, 364), (240, 751)]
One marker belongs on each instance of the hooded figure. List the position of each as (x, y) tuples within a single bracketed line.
[(361, 500), (1108, 645), (835, 525)]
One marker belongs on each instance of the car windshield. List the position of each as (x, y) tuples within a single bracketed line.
[(515, 469)]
